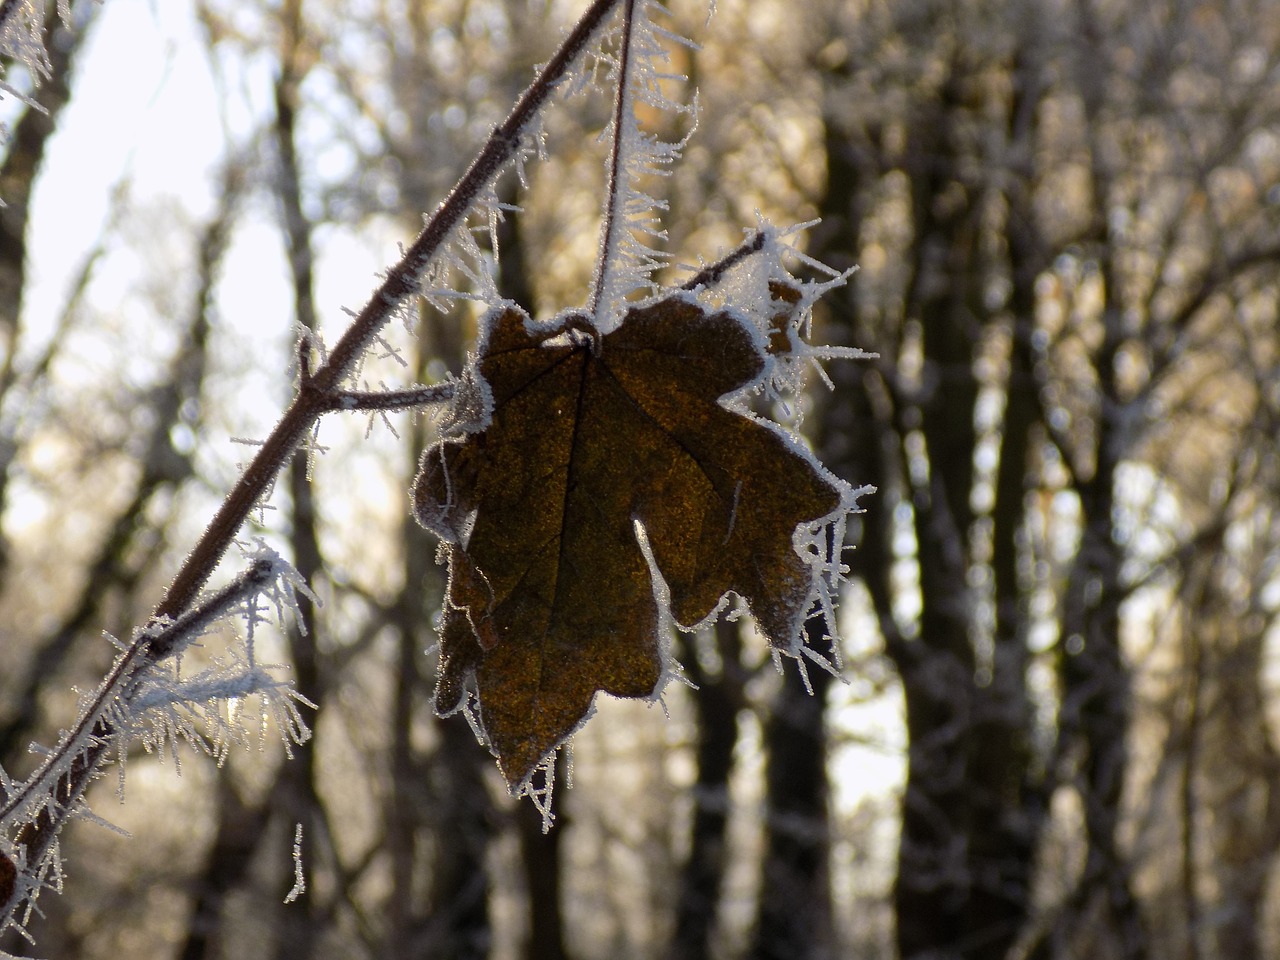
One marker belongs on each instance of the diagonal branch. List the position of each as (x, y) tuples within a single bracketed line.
[(400, 285), (154, 643)]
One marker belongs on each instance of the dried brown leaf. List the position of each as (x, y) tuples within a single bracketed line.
[(550, 595)]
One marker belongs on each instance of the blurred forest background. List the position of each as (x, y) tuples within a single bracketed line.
[(1056, 739)]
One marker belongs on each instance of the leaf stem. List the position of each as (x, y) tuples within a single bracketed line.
[(613, 221)]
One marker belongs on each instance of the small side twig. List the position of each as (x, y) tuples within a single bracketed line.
[(407, 399), (304, 359), (151, 645), (710, 275), (165, 639)]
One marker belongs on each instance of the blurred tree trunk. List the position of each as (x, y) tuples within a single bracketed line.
[(236, 839), (541, 844), (1220, 736), (23, 158), (716, 703), (541, 848), (794, 920), (297, 797), (1009, 795), (22, 163), (458, 923), (934, 879), (1096, 697), (973, 808), (440, 816), (1239, 780)]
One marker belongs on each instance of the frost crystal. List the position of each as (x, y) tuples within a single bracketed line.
[(22, 39), (149, 695), (632, 217), (759, 286), (299, 878)]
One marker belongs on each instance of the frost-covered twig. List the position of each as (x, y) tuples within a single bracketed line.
[(163, 639), (411, 398), (632, 217), (22, 28), (50, 796), (613, 222), (711, 275), (152, 644)]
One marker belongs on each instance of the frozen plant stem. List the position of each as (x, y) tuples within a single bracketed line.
[(49, 796), (393, 399), (156, 642), (318, 392), (614, 221), (710, 276)]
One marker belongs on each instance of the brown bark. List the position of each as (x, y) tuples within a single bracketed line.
[(239, 832), (541, 848), (794, 920), (22, 163), (933, 889), (973, 808), (716, 704)]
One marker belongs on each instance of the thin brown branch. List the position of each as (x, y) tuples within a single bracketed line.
[(393, 399), (154, 643), (711, 275), (613, 189)]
